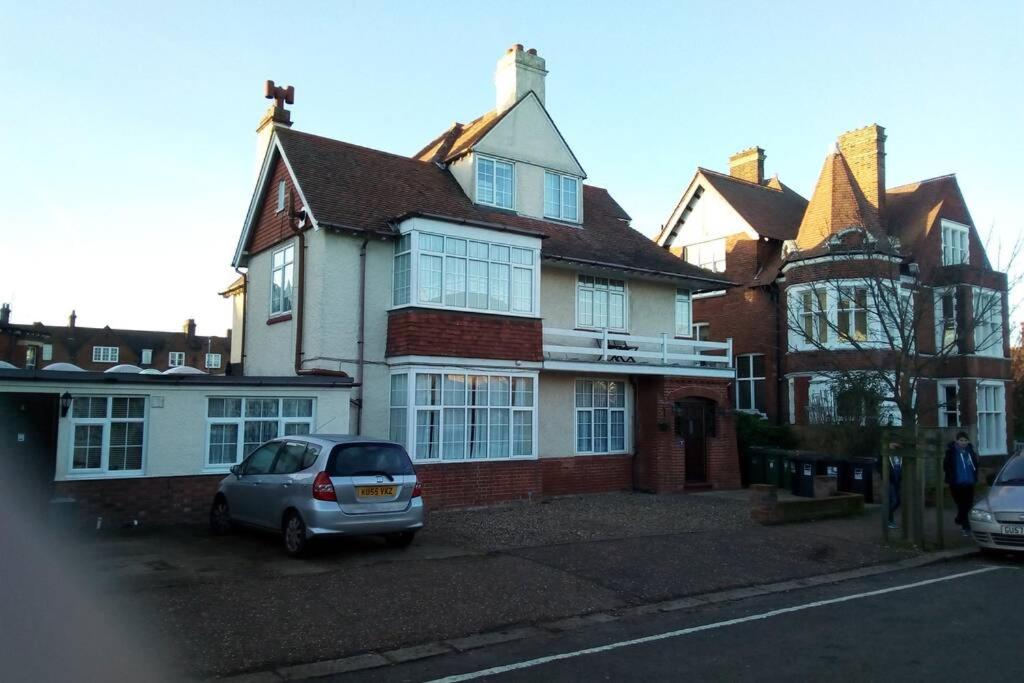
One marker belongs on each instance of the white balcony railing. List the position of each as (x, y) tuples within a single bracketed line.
[(602, 346)]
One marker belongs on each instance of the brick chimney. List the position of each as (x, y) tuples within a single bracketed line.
[(189, 328), (275, 115), (864, 151), (519, 71), (748, 165), (5, 315), (71, 320)]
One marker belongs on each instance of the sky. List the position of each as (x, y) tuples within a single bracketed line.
[(128, 129)]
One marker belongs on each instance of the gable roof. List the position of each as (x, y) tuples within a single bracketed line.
[(353, 188), (836, 205), (772, 210)]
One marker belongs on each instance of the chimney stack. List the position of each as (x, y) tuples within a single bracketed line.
[(748, 165), (864, 151), (71, 320), (189, 328), (275, 115), (519, 71), (5, 315)]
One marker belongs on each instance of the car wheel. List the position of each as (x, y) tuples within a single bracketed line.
[(295, 541), (400, 540), (220, 516)]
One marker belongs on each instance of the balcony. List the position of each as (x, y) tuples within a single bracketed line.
[(605, 351)]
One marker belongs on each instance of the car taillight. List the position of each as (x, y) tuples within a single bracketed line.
[(323, 489), (417, 490)]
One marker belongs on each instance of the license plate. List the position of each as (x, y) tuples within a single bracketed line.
[(1015, 530), (376, 491)]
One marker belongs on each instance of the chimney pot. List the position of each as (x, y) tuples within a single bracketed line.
[(748, 165), (71, 320), (5, 314), (189, 328), (532, 51)]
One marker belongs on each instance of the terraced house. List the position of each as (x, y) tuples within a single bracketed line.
[(861, 280), (499, 315)]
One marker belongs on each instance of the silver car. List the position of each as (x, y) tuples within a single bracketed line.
[(322, 485), (997, 520)]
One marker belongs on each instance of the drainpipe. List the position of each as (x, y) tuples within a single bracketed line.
[(361, 339), (300, 289), (781, 417), (245, 313)]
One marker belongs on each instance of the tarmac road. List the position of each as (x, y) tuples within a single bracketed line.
[(959, 620)]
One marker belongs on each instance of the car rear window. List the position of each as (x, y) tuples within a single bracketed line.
[(351, 460), (1013, 473)]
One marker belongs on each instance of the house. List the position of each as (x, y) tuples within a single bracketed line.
[(101, 348), (499, 316), (815, 279)]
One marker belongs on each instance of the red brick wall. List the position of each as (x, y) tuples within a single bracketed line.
[(273, 226), (428, 332), (153, 501), (586, 474), (660, 465)]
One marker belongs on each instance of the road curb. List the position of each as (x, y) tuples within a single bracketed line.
[(375, 660)]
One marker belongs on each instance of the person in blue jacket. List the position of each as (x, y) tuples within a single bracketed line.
[(961, 468)]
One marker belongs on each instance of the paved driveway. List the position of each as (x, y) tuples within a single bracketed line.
[(225, 605)]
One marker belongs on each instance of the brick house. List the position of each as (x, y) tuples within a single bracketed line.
[(796, 261), (98, 349), (499, 316)]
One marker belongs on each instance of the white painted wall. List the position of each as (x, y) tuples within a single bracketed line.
[(557, 413), (237, 325), (711, 218), (651, 304), (269, 349), (527, 134), (175, 440)]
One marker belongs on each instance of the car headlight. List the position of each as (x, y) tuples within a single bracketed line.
[(979, 515)]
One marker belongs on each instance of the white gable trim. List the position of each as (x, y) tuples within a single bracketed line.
[(532, 95), (273, 150), (669, 234)]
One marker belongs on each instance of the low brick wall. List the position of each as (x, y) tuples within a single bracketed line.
[(586, 474), (766, 508), (150, 501)]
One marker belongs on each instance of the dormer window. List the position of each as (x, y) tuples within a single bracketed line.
[(955, 248), (494, 183), (561, 196)]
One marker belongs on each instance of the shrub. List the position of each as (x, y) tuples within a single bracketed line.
[(753, 430)]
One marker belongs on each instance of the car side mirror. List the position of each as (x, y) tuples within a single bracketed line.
[(236, 470)]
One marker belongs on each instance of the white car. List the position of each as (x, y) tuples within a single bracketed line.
[(997, 520)]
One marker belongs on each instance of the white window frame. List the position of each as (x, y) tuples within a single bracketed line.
[(956, 243), (684, 314), (591, 409), (943, 411), (710, 255), (461, 253), (105, 422), (282, 423), (942, 344), (992, 417), (146, 357), (410, 409), (286, 268), (748, 384), (215, 365), (562, 180), (593, 286), (31, 357), (796, 312), (990, 324), (482, 161), (175, 359), (47, 352), (282, 196), (105, 354)]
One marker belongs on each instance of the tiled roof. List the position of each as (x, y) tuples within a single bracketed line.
[(773, 210), (356, 188), (837, 204), (460, 138), (911, 209)]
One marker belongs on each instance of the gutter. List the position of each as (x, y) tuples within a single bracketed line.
[(720, 284)]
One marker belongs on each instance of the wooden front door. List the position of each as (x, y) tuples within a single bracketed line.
[(694, 420)]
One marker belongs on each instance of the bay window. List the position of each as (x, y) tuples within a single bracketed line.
[(561, 196), (236, 426), (988, 323), (494, 183), (814, 316), (600, 303), (949, 404), (684, 313), (845, 314), (463, 415), (458, 272), (945, 320), (600, 416), (852, 313), (991, 418), (108, 434)]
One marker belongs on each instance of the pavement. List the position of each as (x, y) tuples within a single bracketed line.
[(219, 606)]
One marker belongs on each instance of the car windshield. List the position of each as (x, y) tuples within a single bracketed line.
[(368, 459), (1013, 473)]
